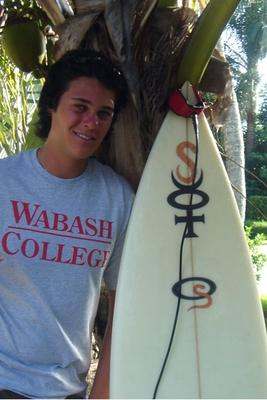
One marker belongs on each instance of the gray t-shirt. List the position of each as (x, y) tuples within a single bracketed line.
[(58, 238)]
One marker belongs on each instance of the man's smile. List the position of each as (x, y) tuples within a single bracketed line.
[(85, 137)]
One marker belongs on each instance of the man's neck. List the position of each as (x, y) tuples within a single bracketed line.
[(59, 165)]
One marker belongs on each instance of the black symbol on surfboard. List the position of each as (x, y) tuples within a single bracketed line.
[(177, 288), (190, 218)]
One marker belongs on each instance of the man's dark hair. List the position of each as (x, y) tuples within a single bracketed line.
[(75, 64)]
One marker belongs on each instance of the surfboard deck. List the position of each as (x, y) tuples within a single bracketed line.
[(186, 258)]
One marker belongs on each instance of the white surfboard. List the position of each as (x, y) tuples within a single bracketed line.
[(186, 273)]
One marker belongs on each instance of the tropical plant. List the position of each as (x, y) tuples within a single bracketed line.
[(19, 93), (248, 24), (264, 306), (244, 47), (257, 257), (18, 9), (257, 227), (257, 159)]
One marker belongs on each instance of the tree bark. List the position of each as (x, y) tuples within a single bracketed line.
[(233, 140), (251, 116), (234, 149)]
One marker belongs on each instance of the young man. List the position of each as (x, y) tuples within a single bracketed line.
[(62, 227)]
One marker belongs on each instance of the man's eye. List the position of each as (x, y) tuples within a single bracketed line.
[(105, 115), (80, 107)]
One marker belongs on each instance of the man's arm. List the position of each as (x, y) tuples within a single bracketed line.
[(100, 389)]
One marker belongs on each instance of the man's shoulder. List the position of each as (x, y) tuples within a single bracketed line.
[(12, 165), (112, 177), (15, 158)]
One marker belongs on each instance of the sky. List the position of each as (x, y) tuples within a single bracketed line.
[(229, 39), (262, 68)]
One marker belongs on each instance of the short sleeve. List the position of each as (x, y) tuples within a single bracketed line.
[(112, 271)]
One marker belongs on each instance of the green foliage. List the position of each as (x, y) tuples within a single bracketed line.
[(203, 39), (32, 140), (248, 23), (30, 45), (262, 117), (258, 259), (257, 227), (248, 27), (17, 9), (253, 203), (18, 93), (264, 305), (256, 161)]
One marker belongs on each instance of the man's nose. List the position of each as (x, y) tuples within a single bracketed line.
[(91, 120)]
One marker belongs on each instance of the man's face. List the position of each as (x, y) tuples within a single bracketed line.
[(82, 119)]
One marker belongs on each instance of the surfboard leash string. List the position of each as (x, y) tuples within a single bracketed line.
[(196, 131)]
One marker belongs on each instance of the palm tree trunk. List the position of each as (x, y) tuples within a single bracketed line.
[(234, 150), (233, 141), (251, 116)]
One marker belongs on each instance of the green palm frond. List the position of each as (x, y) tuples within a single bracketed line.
[(203, 40)]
